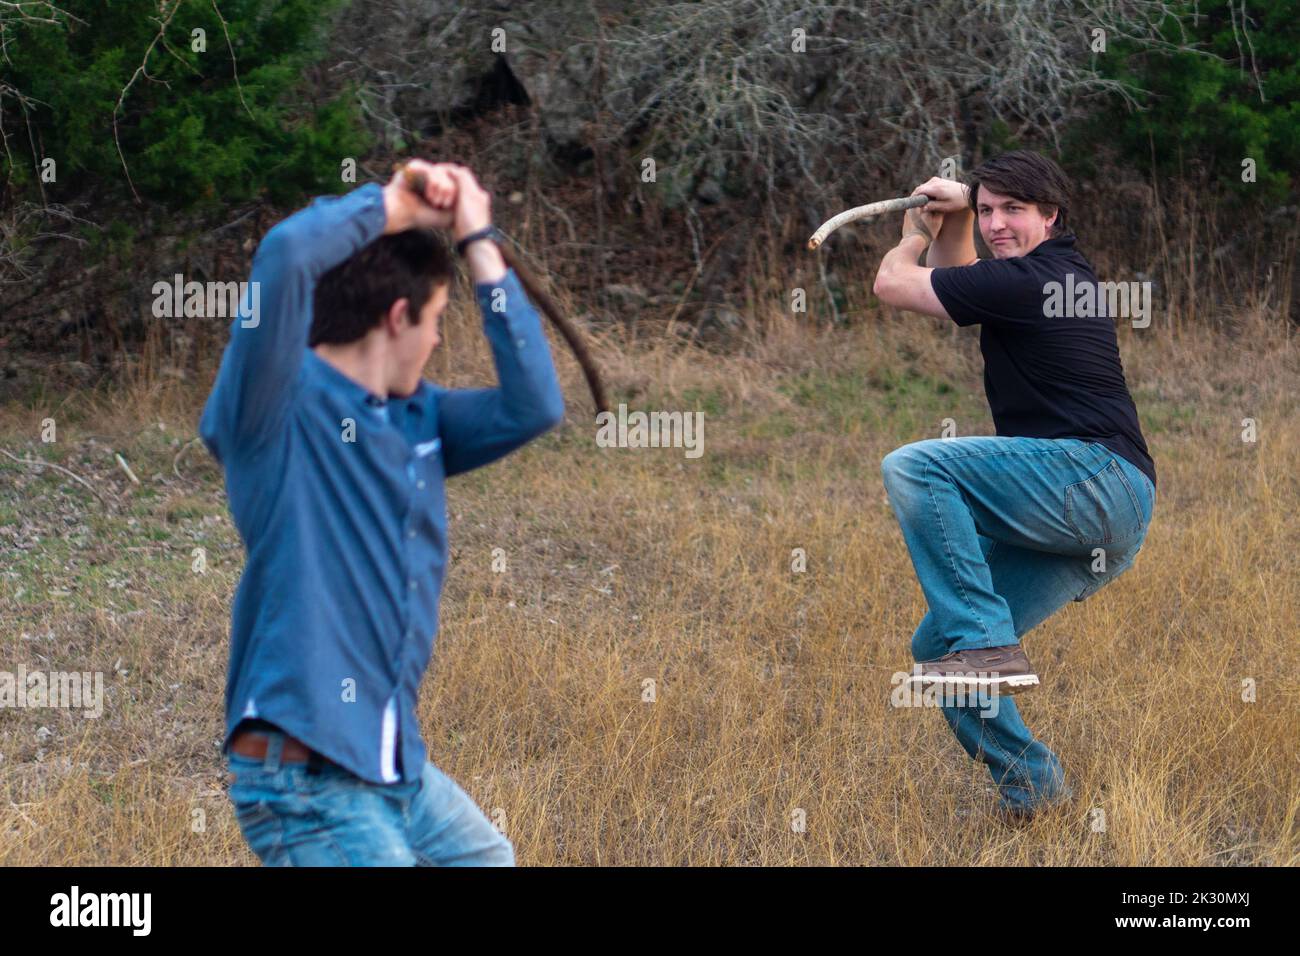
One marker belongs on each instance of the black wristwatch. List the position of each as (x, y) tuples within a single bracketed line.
[(487, 232)]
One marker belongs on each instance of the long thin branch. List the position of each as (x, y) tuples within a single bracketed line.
[(139, 70), (49, 464), (234, 64)]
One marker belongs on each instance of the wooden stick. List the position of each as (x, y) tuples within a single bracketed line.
[(864, 212), (49, 464), (415, 181)]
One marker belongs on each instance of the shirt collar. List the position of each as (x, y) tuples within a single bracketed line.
[(413, 403), (1055, 246), (359, 394), (338, 382)]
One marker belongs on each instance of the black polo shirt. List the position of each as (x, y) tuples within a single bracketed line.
[(1045, 375)]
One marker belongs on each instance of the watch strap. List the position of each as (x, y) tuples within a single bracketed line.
[(487, 232)]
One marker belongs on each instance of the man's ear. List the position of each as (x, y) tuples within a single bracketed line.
[(397, 316)]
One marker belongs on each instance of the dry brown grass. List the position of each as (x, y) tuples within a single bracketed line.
[(771, 688)]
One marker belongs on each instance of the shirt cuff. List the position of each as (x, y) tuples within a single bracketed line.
[(373, 213), (487, 295), (485, 288)]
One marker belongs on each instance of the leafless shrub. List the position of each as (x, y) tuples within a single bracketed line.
[(820, 95)]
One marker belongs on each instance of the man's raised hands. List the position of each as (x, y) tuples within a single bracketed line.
[(946, 195), (434, 209)]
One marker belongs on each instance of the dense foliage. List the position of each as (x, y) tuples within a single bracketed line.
[(1207, 113), (212, 110)]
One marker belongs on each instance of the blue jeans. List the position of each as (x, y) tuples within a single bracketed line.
[(291, 817), (1002, 533)]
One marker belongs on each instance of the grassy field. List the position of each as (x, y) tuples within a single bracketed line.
[(771, 687)]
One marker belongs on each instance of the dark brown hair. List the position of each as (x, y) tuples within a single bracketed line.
[(1029, 177), (353, 297)]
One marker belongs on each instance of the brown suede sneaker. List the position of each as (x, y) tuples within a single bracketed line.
[(1004, 670)]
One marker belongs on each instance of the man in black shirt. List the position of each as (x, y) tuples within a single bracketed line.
[(1005, 530)]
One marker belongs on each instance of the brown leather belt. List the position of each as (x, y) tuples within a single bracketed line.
[(254, 743)]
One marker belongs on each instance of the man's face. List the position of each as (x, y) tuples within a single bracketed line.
[(414, 343), (1010, 227)]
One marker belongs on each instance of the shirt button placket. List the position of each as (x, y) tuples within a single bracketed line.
[(408, 644), (411, 586)]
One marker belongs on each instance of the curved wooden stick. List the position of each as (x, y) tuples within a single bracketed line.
[(415, 181), (864, 212)]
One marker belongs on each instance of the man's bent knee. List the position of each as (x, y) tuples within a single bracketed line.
[(901, 469)]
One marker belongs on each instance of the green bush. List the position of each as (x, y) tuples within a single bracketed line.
[(190, 131), (1207, 110)]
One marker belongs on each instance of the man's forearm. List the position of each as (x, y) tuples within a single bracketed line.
[(485, 262), (904, 254), (955, 244), (329, 230), (479, 425), (260, 366)]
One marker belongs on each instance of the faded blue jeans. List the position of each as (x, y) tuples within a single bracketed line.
[(334, 818), (1002, 533)]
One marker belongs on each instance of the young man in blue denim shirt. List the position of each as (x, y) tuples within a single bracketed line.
[(1004, 530), (335, 452)]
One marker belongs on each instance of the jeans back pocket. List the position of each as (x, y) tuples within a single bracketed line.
[(1103, 509)]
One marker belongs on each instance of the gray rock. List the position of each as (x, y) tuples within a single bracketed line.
[(720, 318), (709, 191), (627, 294), (556, 77)]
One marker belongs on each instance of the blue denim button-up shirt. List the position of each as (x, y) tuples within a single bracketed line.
[(338, 496)]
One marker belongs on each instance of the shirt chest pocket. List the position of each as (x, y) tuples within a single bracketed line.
[(427, 498), (425, 462)]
